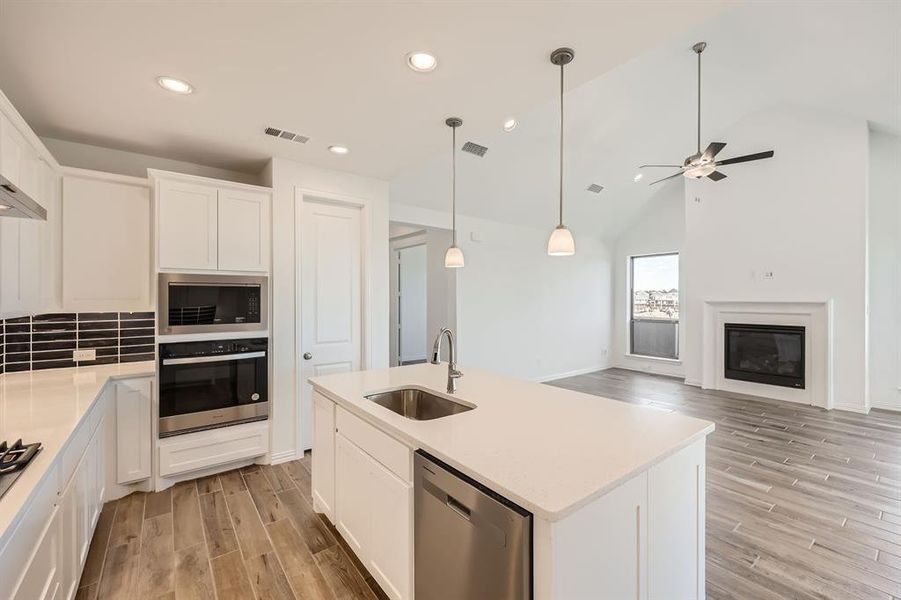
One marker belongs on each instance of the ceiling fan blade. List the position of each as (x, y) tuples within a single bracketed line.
[(745, 158), (713, 149), (666, 166), (665, 178), (716, 176)]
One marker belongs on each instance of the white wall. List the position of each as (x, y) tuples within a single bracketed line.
[(98, 158), (521, 312), (659, 228), (284, 176), (801, 215), (885, 270), (413, 302)]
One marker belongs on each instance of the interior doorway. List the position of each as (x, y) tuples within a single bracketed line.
[(423, 291)]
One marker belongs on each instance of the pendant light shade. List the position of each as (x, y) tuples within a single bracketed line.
[(453, 258), (561, 242)]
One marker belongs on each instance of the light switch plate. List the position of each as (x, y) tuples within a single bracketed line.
[(84, 355)]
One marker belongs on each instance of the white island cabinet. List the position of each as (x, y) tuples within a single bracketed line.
[(616, 491)]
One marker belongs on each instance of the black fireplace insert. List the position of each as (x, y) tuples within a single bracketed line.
[(772, 354)]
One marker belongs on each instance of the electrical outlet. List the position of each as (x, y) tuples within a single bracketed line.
[(768, 275), (84, 355)]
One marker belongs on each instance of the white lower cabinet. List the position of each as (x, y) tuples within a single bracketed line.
[(324, 457), (46, 552), (391, 540), (353, 509), (134, 405), (373, 512), (43, 579)]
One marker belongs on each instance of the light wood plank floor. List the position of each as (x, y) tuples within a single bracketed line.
[(801, 502), (245, 534)]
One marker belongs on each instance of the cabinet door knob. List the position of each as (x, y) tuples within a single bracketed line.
[(307, 356)]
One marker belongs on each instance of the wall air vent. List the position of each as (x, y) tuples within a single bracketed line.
[(287, 135), (595, 188), (474, 148)]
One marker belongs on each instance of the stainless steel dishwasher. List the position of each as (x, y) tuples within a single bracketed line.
[(470, 542)]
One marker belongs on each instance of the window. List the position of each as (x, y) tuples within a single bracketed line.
[(654, 305)]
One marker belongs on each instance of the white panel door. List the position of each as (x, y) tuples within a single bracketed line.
[(330, 298), (243, 230), (412, 302), (188, 226), (110, 271)]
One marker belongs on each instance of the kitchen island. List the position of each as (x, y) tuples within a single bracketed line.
[(616, 490)]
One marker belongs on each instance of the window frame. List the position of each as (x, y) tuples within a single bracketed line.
[(630, 314)]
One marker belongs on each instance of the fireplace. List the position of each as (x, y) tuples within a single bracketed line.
[(771, 354)]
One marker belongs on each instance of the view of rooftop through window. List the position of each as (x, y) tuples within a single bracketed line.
[(655, 287)]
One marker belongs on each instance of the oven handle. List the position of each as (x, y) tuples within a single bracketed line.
[(207, 359)]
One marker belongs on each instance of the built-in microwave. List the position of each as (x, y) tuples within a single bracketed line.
[(190, 303)]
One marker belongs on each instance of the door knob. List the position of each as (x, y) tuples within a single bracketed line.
[(307, 356)]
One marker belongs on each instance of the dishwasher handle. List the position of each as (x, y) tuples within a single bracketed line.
[(458, 507)]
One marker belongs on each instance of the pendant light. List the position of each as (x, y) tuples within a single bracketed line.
[(453, 258), (561, 241)]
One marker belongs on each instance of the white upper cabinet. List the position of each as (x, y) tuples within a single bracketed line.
[(243, 230), (113, 271), (187, 225), (29, 249), (211, 225)]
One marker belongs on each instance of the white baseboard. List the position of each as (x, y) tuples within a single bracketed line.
[(692, 382), (281, 457), (547, 378), (852, 408), (886, 406)]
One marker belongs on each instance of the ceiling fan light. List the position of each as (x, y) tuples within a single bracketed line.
[(453, 258), (700, 170), (561, 242)]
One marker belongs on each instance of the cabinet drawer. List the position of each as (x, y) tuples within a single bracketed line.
[(376, 443), (193, 451)]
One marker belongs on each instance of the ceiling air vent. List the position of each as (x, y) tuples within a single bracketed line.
[(595, 188), (474, 148), (287, 135)]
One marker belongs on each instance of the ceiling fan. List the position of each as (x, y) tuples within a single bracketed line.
[(704, 164)]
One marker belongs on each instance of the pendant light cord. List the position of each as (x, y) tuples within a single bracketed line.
[(561, 146), (699, 102), (454, 184)]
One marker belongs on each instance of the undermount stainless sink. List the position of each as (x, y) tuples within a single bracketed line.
[(418, 404)]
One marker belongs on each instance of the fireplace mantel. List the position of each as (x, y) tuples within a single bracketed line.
[(814, 316)]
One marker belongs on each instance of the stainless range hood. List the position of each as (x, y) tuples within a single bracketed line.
[(16, 203)]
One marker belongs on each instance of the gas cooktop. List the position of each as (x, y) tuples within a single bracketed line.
[(13, 460)]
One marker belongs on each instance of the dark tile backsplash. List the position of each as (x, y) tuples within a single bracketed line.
[(47, 341)]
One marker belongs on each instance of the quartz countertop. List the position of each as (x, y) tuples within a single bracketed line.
[(548, 449), (47, 406)]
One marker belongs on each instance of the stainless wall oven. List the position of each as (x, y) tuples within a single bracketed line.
[(191, 303), (212, 383)]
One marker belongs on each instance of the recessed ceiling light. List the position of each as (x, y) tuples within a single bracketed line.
[(338, 149), (510, 124), (179, 86), (422, 62), (637, 177)]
